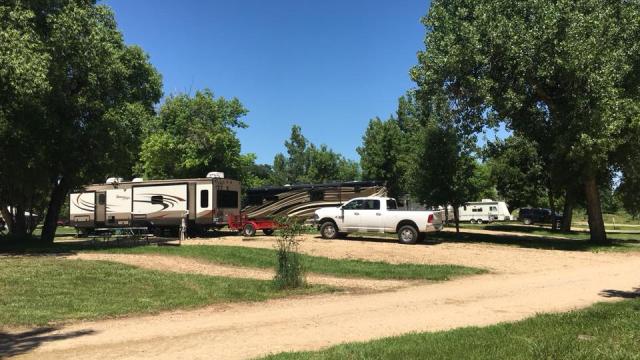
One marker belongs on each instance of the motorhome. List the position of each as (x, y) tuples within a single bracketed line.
[(483, 211), (301, 201), (156, 204)]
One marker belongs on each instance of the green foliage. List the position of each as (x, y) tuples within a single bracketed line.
[(193, 135), (517, 170), (307, 163), (445, 171), (381, 154), (73, 97), (602, 331), (40, 290), (563, 74), (252, 174), (289, 268)]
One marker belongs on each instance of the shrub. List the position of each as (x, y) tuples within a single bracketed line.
[(289, 268)]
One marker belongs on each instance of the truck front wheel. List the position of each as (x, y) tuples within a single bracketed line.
[(408, 234), (328, 230)]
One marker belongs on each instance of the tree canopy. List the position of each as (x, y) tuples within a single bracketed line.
[(308, 163), (191, 136), (71, 105)]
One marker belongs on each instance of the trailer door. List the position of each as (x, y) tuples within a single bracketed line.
[(204, 203), (101, 207)]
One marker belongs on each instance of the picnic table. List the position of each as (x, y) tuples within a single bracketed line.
[(134, 234)]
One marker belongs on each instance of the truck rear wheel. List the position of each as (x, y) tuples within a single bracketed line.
[(267, 231), (408, 234), (248, 230), (328, 230)]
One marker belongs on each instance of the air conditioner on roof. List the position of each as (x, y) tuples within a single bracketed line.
[(216, 175)]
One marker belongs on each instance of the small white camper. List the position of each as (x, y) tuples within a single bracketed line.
[(484, 211)]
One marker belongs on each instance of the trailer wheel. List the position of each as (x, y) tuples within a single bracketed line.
[(328, 230), (249, 230), (473, 221), (267, 231), (479, 221), (408, 234)]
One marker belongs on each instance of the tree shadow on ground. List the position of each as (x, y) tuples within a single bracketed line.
[(26, 247), (535, 242), (610, 293), (529, 229), (13, 344)]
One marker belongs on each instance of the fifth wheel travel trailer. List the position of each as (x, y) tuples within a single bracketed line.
[(301, 201), (156, 204), (479, 212)]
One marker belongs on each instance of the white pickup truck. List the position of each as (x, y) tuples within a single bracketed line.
[(377, 214)]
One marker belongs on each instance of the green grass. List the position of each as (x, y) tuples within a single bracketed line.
[(266, 258), (603, 331), (35, 290)]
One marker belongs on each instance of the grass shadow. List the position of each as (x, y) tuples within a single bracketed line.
[(14, 344)]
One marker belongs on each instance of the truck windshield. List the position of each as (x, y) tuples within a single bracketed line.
[(391, 204)]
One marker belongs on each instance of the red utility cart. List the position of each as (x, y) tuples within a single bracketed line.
[(248, 227)]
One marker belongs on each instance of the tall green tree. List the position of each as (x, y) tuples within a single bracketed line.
[(564, 73), (517, 170), (445, 169), (193, 135), (95, 93), (381, 154), (308, 163)]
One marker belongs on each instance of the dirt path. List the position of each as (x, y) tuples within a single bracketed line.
[(186, 265), (525, 282)]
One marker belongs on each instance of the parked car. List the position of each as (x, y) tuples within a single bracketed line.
[(377, 215), (530, 216)]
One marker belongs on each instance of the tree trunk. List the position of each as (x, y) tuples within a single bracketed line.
[(567, 213), (58, 194), (456, 218), (594, 210), (19, 223), (7, 216), (552, 205), (446, 214)]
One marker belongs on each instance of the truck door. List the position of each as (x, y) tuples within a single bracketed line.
[(101, 207), (371, 216), (351, 212)]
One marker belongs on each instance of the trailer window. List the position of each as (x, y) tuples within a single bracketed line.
[(254, 200), (493, 208), (102, 199), (204, 199), (476, 210), (157, 200), (227, 199), (316, 195)]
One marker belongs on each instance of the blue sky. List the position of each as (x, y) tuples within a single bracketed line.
[(326, 65)]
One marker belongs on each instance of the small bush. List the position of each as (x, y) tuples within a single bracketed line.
[(289, 268)]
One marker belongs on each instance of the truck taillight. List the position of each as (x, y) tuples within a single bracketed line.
[(430, 219)]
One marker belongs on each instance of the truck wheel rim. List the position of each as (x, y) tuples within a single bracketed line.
[(407, 235), (329, 231)]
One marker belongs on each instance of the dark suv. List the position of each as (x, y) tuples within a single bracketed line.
[(538, 215)]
